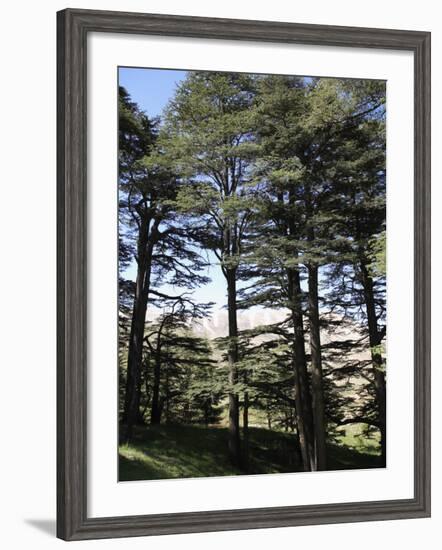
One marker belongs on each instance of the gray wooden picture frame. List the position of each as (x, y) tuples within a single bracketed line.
[(73, 27)]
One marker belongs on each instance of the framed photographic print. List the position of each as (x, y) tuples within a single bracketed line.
[(243, 274)]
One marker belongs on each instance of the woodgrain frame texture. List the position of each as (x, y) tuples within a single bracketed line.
[(73, 27)]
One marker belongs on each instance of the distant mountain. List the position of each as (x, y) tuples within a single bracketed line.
[(217, 325)]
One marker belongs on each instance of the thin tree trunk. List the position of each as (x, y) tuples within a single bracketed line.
[(376, 356), (167, 391), (245, 423), (140, 414), (206, 414), (232, 356), (316, 366), (155, 416), (269, 419)]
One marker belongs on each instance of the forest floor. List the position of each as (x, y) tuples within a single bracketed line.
[(179, 451)]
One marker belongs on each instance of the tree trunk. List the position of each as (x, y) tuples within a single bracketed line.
[(155, 415), (269, 419), (206, 409), (131, 413), (376, 356), (167, 397), (303, 405), (232, 356), (245, 423), (316, 366)]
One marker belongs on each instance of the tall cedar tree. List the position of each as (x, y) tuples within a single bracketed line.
[(288, 134), (151, 231), (304, 126), (208, 134), (358, 279)]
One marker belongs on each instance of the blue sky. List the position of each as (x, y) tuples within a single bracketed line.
[(151, 89)]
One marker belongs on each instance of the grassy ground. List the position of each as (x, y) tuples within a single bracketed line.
[(177, 451), (354, 436)]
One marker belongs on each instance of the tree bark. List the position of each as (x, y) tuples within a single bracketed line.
[(167, 396), (146, 241), (135, 352), (316, 366), (304, 420), (375, 338), (132, 396), (303, 403), (232, 356), (245, 424), (155, 415)]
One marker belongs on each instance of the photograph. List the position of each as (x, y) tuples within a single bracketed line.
[(251, 273)]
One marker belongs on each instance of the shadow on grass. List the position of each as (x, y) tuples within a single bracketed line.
[(180, 451), (347, 458)]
